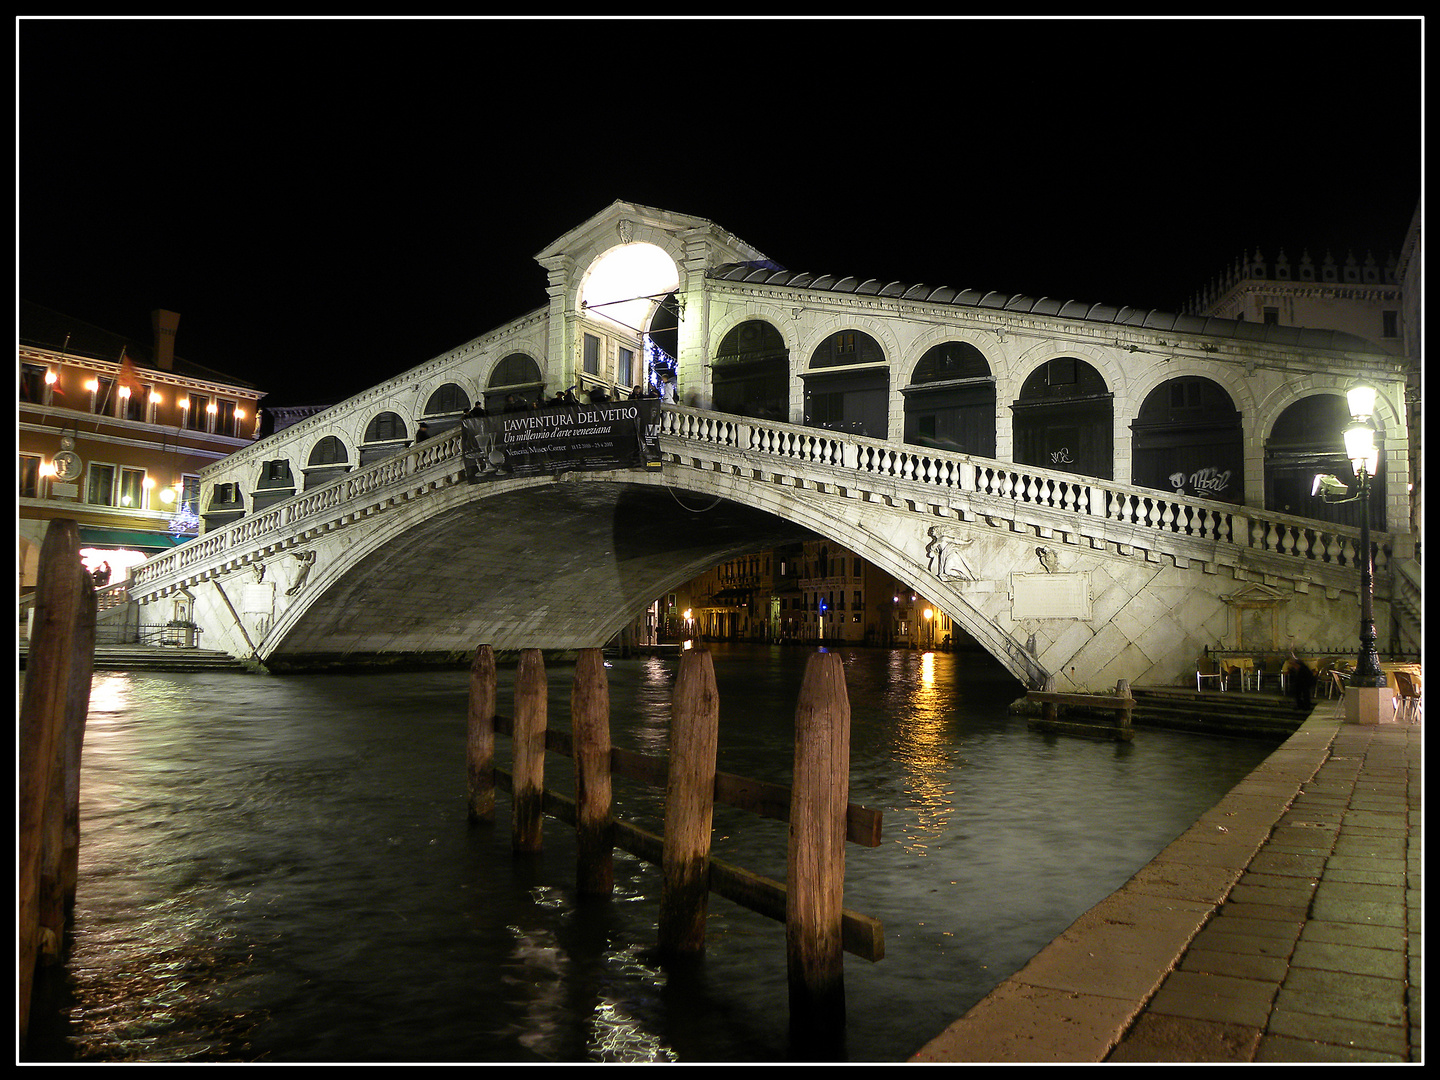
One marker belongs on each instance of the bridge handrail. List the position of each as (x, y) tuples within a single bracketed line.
[(344, 491), (940, 471), (1249, 527)]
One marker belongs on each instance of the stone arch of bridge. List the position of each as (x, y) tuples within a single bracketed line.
[(565, 564)]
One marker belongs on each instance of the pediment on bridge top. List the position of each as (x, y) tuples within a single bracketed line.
[(626, 223), (1255, 595)]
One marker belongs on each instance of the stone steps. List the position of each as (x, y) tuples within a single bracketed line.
[(155, 658), (1217, 712)]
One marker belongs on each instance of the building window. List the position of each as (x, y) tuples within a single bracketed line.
[(447, 399), (226, 495), (190, 494), (32, 384), (29, 476), (100, 395), (385, 427), (135, 404), (225, 418), (195, 416), (100, 485), (328, 451), (1390, 322), (626, 374), (592, 355), (1272, 316), (132, 489)]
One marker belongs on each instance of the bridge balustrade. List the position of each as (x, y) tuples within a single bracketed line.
[(1244, 526), (997, 488)]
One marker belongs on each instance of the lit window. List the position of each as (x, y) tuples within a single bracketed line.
[(132, 488), (100, 485)]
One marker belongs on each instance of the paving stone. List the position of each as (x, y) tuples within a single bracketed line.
[(1222, 998), (1280, 1048), (1345, 995), (1292, 864), (1178, 1038), (1330, 956), (1348, 1034), (1364, 914), (1369, 937), (1240, 963)]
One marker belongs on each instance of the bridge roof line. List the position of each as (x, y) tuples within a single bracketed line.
[(750, 273)]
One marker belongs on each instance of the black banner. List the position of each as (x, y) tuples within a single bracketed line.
[(558, 438)]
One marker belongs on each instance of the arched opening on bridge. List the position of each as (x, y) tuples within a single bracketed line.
[(1064, 419), (444, 408), (517, 377), (950, 402), (1188, 439), (632, 313), (385, 436), (662, 345), (1308, 439), (328, 459), (847, 385), (751, 372)]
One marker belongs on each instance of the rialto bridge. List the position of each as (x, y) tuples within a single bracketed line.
[(969, 443)]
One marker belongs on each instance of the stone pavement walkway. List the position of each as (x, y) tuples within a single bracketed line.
[(1284, 926)]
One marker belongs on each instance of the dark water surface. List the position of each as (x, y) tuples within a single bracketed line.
[(280, 868)]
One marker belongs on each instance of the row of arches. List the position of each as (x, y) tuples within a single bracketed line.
[(516, 377), (1187, 436)]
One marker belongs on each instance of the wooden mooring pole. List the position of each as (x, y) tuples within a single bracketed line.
[(480, 737), (528, 744), (52, 722), (689, 806), (815, 867), (590, 726)]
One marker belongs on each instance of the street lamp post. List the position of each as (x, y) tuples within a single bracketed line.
[(1364, 457)]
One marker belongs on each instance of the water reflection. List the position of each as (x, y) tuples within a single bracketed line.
[(280, 869)]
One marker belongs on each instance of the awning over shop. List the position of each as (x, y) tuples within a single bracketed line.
[(129, 538)]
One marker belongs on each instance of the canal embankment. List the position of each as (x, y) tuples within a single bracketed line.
[(1284, 925)]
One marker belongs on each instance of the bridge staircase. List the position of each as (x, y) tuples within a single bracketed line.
[(122, 644), (1406, 606)]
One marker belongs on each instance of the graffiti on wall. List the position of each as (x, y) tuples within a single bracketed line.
[(1205, 482)]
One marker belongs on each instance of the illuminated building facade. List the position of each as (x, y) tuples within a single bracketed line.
[(114, 434)]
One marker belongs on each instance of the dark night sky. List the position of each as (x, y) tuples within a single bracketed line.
[(328, 203)]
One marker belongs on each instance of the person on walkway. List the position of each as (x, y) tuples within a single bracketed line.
[(1301, 680)]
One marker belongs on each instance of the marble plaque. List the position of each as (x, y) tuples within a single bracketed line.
[(1050, 596)]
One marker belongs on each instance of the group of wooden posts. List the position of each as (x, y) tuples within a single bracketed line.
[(52, 729), (817, 927)]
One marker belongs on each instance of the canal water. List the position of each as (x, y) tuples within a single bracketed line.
[(280, 869)]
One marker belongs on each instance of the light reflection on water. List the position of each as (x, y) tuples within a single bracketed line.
[(280, 869)]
